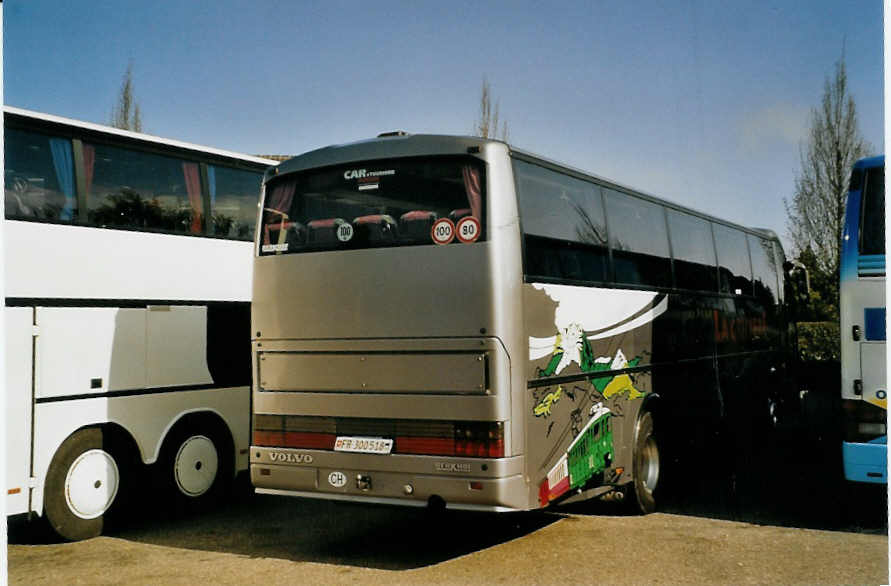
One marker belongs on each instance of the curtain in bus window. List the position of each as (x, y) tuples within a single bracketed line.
[(212, 184), (193, 188), (275, 214), (63, 161), (89, 162), (474, 193)]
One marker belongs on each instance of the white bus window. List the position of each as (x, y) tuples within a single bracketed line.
[(234, 195), (639, 240), (132, 189), (39, 177)]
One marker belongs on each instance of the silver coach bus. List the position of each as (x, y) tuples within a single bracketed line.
[(448, 320)]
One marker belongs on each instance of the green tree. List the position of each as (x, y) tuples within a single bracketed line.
[(816, 212), (125, 114)]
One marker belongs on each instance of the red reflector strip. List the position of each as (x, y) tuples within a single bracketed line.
[(293, 439), (431, 446)]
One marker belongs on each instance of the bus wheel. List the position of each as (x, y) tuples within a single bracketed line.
[(646, 466), (81, 485), (194, 464)]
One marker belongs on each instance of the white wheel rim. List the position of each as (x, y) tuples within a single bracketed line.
[(91, 484), (195, 466)]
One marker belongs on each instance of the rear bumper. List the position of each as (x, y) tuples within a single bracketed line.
[(866, 462), (463, 483)]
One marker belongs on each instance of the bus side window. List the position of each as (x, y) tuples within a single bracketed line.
[(695, 265), (639, 240), (234, 194), (39, 177), (765, 270), (735, 269), (872, 214), (563, 222)]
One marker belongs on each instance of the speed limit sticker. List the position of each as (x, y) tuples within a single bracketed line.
[(443, 231), (344, 232), (468, 229)]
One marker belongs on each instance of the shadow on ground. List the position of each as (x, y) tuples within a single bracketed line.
[(790, 477), (308, 530)]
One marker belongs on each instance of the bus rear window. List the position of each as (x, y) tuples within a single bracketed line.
[(872, 219), (396, 202)]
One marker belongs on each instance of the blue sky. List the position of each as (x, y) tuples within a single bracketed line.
[(702, 102)]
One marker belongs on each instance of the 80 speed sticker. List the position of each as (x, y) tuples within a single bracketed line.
[(468, 229)]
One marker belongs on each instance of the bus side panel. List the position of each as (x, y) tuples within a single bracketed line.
[(84, 350), (595, 345), (176, 346), (18, 407)]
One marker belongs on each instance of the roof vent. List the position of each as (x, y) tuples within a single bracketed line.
[(393, 133)]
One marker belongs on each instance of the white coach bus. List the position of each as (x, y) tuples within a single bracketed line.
[(128, 271)]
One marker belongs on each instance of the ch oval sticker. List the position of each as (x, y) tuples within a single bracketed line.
[(468, 229), (337, 479)]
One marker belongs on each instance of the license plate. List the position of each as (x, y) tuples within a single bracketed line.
[(363, 445)]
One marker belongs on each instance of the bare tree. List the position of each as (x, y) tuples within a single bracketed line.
[(834, 143), (487, 125), (125, 114)]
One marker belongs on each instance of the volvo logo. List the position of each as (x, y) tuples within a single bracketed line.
[(290, 458)]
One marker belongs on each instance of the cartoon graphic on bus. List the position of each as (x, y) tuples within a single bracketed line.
[(588, 456)]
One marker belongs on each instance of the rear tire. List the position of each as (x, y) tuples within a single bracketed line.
[(82, 485), (196, 465), (647, 466)]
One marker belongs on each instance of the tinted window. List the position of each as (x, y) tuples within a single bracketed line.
[(872, 240), (694, 252), (639, 240), (563, 225), (372, 204), (764, 268), (141, 190), (39, 177), (734, 269), (234, 195), (779, 259)]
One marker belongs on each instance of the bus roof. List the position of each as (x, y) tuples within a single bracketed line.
[(137, 136), (870, 162), (438, 144)]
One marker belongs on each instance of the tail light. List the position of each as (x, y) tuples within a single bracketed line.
[(467, 439)]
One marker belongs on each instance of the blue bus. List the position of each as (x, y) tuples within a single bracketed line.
[(862, 308)]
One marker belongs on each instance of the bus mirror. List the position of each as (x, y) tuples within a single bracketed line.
[(799, 280)]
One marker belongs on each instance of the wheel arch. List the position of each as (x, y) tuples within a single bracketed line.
[(196, 419)]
